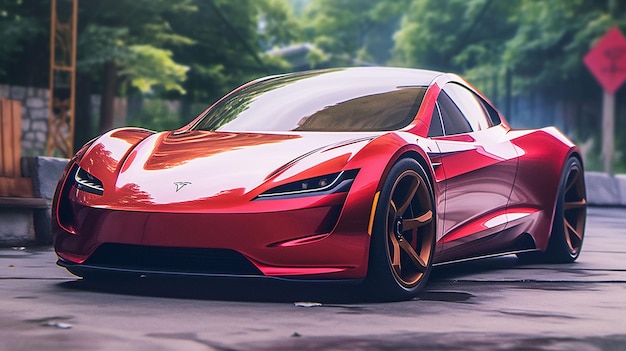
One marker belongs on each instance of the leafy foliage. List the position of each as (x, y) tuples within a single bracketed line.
[(541, 42), (278, 25), (455, 35), (16, 27), (99, 44), (148, 66), (551, 39), (349, 31), (156, 114), (197, 50)]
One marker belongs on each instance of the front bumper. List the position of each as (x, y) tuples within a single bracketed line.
[(307, 243)]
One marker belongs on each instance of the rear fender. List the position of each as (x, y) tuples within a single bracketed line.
[(542, 154)]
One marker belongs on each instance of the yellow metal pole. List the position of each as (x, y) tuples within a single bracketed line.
[(73, 81), (61, 125), (53, 19)]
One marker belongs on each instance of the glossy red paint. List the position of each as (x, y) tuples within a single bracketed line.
[(542, 154), (136, 214), (204, 189)]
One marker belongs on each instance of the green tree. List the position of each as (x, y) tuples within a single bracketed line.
[(124, 45), (16, 27), (541, 42), (24, 27), (455, 35), (349, 30), (554, 36), (278, 25), (228, 45)]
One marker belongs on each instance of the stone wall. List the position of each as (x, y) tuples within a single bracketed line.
[(34, 116), (35, 113)]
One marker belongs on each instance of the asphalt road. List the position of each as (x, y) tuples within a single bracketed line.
[(491, 304)]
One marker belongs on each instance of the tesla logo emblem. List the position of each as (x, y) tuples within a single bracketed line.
[(180, 185)]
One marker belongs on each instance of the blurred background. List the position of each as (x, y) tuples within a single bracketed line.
[(158, 63)]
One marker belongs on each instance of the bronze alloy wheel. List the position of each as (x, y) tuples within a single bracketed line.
[(574, 209), (410, 228), (403, 239), (568, 226)]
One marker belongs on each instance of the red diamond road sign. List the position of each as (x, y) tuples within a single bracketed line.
[(607, 60)]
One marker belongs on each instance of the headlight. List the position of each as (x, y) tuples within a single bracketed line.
[(326, 184), (87, 182)]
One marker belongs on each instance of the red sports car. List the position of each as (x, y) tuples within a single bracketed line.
[(364, 174)]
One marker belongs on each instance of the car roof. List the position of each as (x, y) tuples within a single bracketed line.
[(384, 75)]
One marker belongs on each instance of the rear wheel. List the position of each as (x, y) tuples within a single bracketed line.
[(568, 228), (403, 238)]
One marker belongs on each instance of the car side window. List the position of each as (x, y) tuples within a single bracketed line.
[(494, 117), (454, 122), (436, 127), (471, 106)]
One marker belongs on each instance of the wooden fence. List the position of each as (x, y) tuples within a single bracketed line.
[(12, 184)]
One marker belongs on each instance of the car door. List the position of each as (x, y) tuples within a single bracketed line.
[(478, 164)]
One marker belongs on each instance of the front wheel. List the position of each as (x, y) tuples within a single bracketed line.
[(404, 236)]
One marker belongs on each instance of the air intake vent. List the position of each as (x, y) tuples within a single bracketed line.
[(88, 183), (171, 259)]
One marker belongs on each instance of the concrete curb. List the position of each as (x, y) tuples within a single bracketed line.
[(45, 172), (605, 190), (30, 224)]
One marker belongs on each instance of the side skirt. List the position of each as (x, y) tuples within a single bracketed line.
[(484, 257)]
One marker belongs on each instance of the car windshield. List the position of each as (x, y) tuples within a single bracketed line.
[(331, 100)]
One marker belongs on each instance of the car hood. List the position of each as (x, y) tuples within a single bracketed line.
[(221, 168)]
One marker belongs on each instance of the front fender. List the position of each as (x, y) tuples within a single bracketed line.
[(104, 157), (374, 162)]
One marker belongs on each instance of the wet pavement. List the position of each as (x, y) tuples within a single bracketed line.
[(494, 304)]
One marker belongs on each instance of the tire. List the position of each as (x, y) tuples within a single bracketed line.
[(568, 227), (403, 237)]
